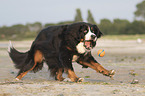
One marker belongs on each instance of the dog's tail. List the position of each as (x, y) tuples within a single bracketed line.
[(22, 60)]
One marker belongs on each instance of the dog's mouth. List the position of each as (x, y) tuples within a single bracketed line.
[(88, 44)]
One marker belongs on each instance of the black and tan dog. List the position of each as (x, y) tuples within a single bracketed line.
[(59, 46)]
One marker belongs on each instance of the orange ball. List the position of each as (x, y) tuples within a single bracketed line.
[(101, 53)]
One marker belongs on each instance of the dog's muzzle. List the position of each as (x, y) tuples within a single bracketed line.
[(88, 43)]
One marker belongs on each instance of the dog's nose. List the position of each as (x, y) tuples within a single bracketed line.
[(93, 37)]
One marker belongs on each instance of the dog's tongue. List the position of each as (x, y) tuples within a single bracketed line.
[(88, 44)]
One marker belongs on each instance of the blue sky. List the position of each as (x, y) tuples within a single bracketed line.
[(53, 11)]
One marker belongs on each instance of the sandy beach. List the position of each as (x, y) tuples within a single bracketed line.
[(127, 57)]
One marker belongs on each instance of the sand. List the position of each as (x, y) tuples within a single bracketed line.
[(126, 57)]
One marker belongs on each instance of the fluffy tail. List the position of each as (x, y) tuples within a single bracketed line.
[(21, 60)]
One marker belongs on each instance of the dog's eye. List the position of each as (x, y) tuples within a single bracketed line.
[(92, 31), (85, 31)]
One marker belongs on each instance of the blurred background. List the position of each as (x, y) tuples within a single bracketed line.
[(23, 19), (121, 21)]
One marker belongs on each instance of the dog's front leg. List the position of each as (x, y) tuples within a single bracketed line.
[(59, 74), (73, 76), (89, 61), (65, 58), (99, 68)]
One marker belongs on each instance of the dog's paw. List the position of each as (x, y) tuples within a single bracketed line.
[(111, 73), (80, 80), (67, 80), (59, 79), (16, 79)]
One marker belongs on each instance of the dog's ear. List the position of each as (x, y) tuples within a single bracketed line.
[(72, 35), (100, 34), (82, 29), (97, 31)]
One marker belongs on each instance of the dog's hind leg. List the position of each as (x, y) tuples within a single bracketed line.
[(38, 58)]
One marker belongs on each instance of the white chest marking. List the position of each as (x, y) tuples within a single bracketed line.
[(80, 48)]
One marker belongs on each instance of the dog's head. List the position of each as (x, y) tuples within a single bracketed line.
[(83, 36)]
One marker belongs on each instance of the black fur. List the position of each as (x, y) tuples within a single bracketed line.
[(53, 42)]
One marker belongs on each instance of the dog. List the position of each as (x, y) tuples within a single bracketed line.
[(59, 46)]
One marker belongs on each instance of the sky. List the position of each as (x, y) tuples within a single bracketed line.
[(54, 11)]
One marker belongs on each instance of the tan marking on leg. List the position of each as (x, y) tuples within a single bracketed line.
[(38, 57), (59, 75), (72, 75), (100, 68), (96, 66), (21, 75)]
